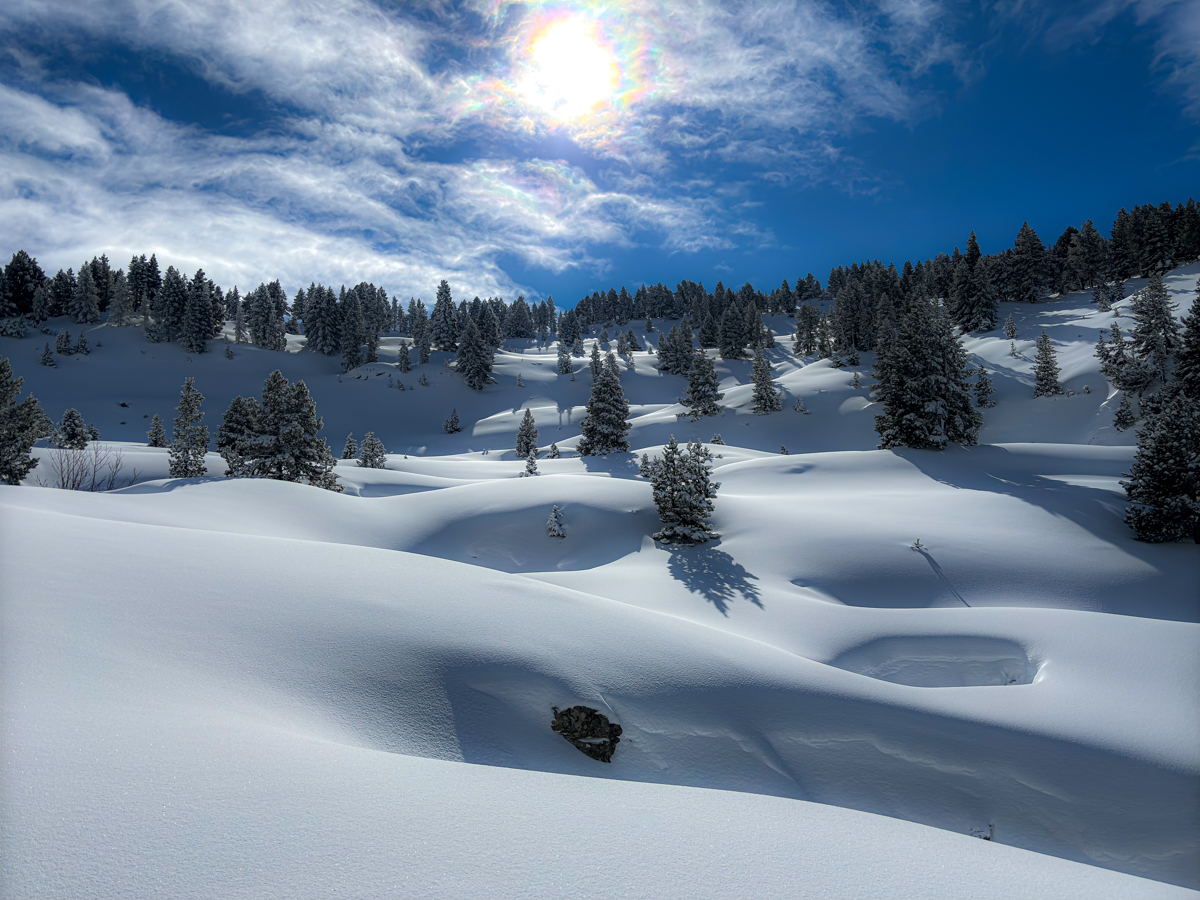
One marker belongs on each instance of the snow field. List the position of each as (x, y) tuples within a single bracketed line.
[(239, 688)]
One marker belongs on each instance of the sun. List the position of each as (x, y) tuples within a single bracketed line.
[(570, 71)]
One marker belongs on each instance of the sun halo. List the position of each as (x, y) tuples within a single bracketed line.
[(570, 71)]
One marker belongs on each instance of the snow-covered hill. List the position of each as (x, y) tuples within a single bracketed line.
[(219, 687)]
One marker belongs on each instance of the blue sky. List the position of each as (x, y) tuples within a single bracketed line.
[(401, 143)]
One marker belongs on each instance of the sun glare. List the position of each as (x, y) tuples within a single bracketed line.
[(570, 71)]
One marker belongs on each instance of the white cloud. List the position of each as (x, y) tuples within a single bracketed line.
[(341, 186)]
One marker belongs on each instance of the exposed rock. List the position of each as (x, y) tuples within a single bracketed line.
[(588, 730)]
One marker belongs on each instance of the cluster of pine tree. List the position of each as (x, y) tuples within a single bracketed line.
[(683, 492)]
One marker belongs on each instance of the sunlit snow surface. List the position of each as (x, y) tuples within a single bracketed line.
[(246, 688)]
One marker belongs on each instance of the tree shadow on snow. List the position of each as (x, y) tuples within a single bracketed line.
[(714, 574), (1175, 592)]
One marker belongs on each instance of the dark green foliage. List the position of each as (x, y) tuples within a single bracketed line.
[(1046, 368), (703, 396), (766, 395), (451, 425), (21, 425), (350, 451), (236, 436), (23, 276), (1163, 485), (157, 435), (84, 305), (683, 492), (372, 455), (605, 428), (473, 359), (527, 435), (189, 439), (1187, 361)]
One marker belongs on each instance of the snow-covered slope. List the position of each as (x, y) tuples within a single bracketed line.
[(247, 688)]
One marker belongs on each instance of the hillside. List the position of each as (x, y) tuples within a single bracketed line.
[(232, 687)]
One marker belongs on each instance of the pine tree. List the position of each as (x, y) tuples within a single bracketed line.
[(71, 433), (976, 305), (62, 343), (489, 327), (443, 321), (350, 451), (403, 360), (595, 363), (451, 426), (577, 347), (21, 426), (732, 338), (84, 305), (350, 333), (169, 306), (564, 360), (373, 454), (1046, 368), (473, 361), (683, 493), (228, 350), (121, 305), (703, 395), (1187, 360), (1124, 419), (157, 435), (553, 453), (807, 317), (984, 389), (189, 439), (530, 464), (606, 426), (47, 357), (1155, 336), (922, 382), (82, 347), (1029, 267), (286, 447), (527, 435), (196, 328), (1010, 328), (237, 435), (1164, 482), (240, 336), (554, 525), (766, 396)]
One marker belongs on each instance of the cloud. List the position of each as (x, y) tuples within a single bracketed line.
[(344, 182)]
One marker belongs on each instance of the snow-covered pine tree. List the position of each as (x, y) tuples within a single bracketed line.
[(553, 453), (766, 395), (622, 344), (783, 450), (530, 464), (683, 493), (21, 426), (489, 327), (189, 439), (473, 360), (1124, 419), (577, 349), (595, 363), (807, 317), (71, 433), (527, 435), (1045, 368), (373, 454), (350, 333), (1187, 360), (403, 359), (1029, 276), (62, 343), (451, 425), (240, 334), (121, 304), (169, 305), (1010, 328), (1102, 297), (82, 348), (228, 350), (1119, 365), (236, 436), (703, 397), (196, 328), (443, 321), (631, 341), (84, 306), (605, 428), (157, 435), (350, 450), (733, 339), (564, 360), (47, 357), (554, 525), (286, 447), (984, 389), (1155, 335), (1164, 482), (923, 383)]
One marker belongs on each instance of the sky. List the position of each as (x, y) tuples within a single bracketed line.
[(544, 148)]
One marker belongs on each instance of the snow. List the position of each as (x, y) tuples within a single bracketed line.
[(230, 688)]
